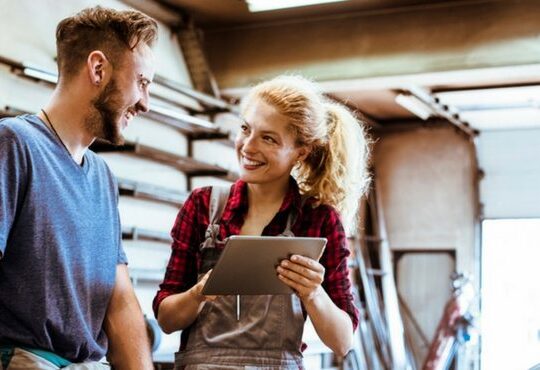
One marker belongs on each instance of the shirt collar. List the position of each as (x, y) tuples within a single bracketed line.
[(292, 199), (239, 197)]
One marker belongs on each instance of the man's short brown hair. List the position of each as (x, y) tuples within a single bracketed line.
[(109, 30)]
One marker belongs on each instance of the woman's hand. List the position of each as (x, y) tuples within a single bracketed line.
[(179, 311), (196, 290), (302, 274)]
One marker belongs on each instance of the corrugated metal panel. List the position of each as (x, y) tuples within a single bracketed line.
[(511, 162)]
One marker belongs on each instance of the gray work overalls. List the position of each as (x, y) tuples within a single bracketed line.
[(268, 333)]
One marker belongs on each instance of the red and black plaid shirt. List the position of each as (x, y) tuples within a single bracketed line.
[(189, 230)]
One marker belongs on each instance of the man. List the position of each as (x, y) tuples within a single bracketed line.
[(65, 294)]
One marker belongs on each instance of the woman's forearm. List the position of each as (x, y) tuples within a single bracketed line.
[(332, 324), (178, 311)]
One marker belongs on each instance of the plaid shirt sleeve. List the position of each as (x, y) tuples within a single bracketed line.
[(336, 280), (181, 271)]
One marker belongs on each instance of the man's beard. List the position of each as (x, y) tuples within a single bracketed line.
[(103, 119)]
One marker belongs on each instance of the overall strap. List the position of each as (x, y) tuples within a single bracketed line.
[(291, 219), (218, 200)]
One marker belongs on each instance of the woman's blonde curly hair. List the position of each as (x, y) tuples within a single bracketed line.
[(335, 172)]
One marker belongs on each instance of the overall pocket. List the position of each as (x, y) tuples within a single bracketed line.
[(261, 323)]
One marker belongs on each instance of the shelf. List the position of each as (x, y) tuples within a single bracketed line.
[(136, 233), (8, 111), (40, 74), (211, 103), (150, 192), (193, 127), (189, 166), (148, 275), (30, 71)]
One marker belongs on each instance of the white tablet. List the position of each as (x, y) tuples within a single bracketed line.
[(247, 264)]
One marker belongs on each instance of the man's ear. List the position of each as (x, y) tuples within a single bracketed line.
[(98, 67)]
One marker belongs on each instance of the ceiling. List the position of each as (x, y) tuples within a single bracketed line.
[(505, 98), (210, 14), (487, 99), (496, 108)]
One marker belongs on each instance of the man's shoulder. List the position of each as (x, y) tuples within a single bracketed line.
[(19, 127)]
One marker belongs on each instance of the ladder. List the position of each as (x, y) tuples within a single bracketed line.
[(381, 332)]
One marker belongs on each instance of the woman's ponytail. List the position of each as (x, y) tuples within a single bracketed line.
[(336, 171)]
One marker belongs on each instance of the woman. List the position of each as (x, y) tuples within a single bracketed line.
[(302, 158)]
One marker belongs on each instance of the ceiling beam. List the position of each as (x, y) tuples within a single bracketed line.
[(361, 46)]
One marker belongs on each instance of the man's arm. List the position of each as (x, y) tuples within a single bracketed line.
[(129, 347), (13, 178)]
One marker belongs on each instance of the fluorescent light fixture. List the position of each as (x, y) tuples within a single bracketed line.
[(265, 5), (503, 96), (415, 105), (511, 119)]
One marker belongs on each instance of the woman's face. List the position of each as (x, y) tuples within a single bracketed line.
[(265, 146)]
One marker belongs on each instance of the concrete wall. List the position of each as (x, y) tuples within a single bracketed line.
[(470, 34), (426, 182)]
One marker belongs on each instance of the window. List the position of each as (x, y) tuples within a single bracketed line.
[(510, 322)]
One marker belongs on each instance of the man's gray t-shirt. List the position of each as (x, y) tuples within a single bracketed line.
[(60, 242)]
